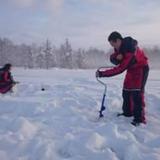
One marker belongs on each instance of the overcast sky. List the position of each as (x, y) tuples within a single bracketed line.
[(85, 23)]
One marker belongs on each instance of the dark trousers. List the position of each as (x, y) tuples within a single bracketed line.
[(132, 105), (5, 87), (133, 100)]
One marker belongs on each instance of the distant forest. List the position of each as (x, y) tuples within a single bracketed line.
[(47, 55)]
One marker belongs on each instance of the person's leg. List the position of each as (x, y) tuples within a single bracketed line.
[(127, 103), (143, 108), (5, 87), (138, 110), (145, 77)]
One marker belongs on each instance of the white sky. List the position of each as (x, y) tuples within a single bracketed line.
[(84, 22)]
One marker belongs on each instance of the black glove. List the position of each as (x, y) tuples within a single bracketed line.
[(15, 82), (98, 73), (114, 60)]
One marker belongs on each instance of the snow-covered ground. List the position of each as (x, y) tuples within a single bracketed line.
[(60, 123)]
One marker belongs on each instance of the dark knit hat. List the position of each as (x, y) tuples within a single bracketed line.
[(114, 36), (7, 66)]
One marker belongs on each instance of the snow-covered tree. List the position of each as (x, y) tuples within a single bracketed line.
[(48, 56), (40, 60), (5, 46), (79, 58), (65, 55)]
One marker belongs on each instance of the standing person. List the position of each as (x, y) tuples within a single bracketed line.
[(6, 79), (128, 56)]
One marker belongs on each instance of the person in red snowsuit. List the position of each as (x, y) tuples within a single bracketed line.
[(6, 79), (128, 56)]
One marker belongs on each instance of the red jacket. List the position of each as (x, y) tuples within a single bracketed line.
[(5, 77), (134, 63)]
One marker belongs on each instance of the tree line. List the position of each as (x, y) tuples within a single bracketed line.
[(47, 55)]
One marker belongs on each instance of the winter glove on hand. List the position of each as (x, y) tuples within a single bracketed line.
[(98, 73), (119, 57), (116, 59), (15, 82)]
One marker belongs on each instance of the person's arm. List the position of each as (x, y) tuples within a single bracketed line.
[(6, 77), (126, 62)]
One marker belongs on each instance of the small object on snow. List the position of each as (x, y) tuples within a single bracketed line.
[(42, 89)]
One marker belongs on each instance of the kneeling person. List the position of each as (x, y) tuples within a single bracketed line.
[(6, 79)]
